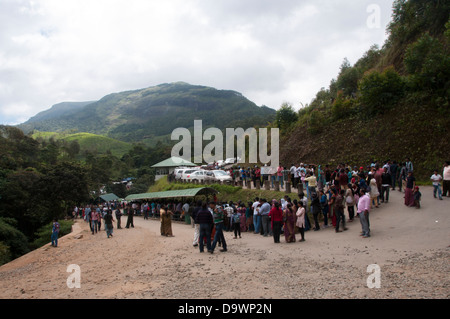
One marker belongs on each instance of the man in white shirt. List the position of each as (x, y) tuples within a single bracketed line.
[(436, 179), (292, 172), (256, 216)]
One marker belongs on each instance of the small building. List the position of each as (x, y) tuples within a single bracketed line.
[(167, 166)]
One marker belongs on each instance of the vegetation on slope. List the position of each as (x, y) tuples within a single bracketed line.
[(392, 103)]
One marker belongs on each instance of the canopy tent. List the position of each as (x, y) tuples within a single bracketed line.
[(192, 192), (109, 197), (173, 162)]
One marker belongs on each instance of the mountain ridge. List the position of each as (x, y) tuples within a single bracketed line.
[(151, 113)]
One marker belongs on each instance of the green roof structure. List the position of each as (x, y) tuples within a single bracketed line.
[(109, 197), (173, 194), (174, 162)]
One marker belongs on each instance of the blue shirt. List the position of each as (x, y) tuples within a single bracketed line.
[(265, 209)]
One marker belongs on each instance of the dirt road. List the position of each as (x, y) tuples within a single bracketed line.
[(410, 246)]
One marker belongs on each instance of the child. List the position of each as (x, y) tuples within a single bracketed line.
[(236, 222), (417, 197)]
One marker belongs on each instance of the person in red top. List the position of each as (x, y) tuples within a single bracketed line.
[(343, 179), (258, 175), (276, 217)]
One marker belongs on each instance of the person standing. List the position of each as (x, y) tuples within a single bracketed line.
[(374, 192), (300, 223), (130, 217), (195, 223), (311, 181), (394, 169), (249, 217), (264, 211), (409, 165), (446, 179), (386, 181), (350, 201), (409, 190), (94, 220), (324, 207), (218, 214), (166, 214), (436, 179), (276, 218), (236, 220), (109, 223), (292, 173), (118, 217), (205, 220), (256, 216), (55, 232), (280, 170), (243, 219), (185, 210), (289, 224), (339, 209), (315, 204), (402, 174), (417, 197), (363, 211)]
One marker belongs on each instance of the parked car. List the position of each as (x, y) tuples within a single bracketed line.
[(230, 160), (197, 176), (187, 173), (179, 170), (218, 175)]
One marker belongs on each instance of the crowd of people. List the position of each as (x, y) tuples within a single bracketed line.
[(326, 197)]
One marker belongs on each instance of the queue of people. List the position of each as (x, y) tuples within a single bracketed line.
[(327, 198)]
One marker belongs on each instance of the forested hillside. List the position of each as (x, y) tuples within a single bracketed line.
[(41, 179), (392, 103), (150, 115)]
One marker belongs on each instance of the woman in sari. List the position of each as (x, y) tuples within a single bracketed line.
[(166, 221), (300, 223), (289, 224), (409, 190), (331, 203)]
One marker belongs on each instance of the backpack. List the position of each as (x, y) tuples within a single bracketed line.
[(236, 218)]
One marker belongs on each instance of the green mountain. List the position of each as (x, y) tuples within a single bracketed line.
[(151, 114), (393, 103)]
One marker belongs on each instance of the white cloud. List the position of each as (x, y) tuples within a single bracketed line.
[(271, 51)]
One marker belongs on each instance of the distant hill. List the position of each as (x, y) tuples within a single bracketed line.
[(57, 110), (89, 142), (152, 114)]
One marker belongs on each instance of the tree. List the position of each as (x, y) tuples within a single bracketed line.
[(428, 63), (380, 91), (63, 186), (285, 117)]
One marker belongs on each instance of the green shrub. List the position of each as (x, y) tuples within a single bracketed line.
[(379, 92), (5, 254), (14, 240)]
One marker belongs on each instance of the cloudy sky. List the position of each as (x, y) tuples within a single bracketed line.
[(272, 51)]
